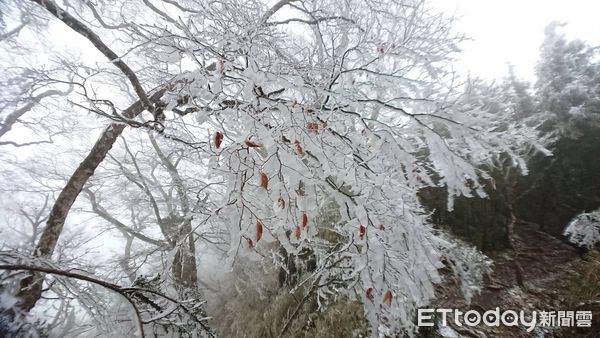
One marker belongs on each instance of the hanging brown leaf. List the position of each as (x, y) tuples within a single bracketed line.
[(299, 149), (362, 230), (264, 181), (381, 227), (370, 293), (469, 183), (313, 127), (259, 231), (304, 220), (218, 139), (281, 203), (250, 243), (252, 144), (387, 298), (298, 232)]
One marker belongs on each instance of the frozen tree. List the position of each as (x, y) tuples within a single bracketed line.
[(282, 110), (568, 85), (567, 97)]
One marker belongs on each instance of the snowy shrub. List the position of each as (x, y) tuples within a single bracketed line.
[(584, 229)]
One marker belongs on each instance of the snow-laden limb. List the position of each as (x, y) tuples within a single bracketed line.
[(346, 104), (584, 229), (153, 310), (467, 263), (393, 271), (363, 119)]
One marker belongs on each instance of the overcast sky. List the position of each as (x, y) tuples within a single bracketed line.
[(512, 30)]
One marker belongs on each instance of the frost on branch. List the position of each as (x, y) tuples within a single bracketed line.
[(112, 309), (358, 144), (584, 229), (467, 264), (345, 109)]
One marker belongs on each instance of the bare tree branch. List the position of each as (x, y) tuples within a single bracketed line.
[(82, 29), (100, 211), (277, 6), (114, 287), (12, 118), (13, 31)]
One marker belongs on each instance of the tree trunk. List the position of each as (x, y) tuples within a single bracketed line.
[(513, 247), (184, 263), (31, 286), (510, 228)]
